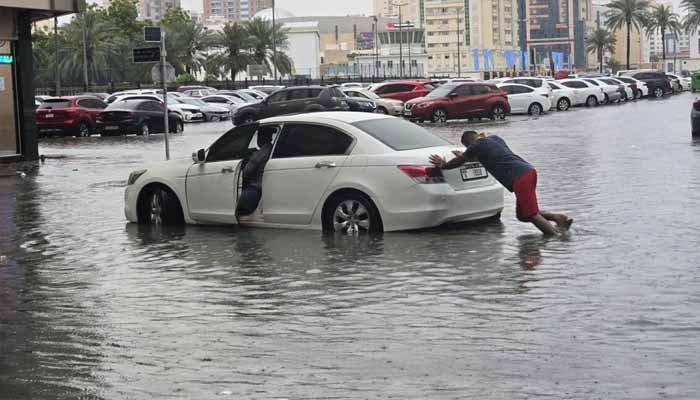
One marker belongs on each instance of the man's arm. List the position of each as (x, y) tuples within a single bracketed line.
[(442, 164)]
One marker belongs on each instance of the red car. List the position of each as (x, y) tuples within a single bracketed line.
[(458, 101), (68, 116), (403, 90)]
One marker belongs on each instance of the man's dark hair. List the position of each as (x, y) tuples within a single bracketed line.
[(466, 134)]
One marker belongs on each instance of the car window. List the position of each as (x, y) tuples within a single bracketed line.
[(214, 100), (507, 88), (90, 103), (306, 140), (150, 106), (592, 82), (55, 103), (399, 134), (480, 89), (463, 90), (233, 145), (315, 92), (522, 89), (429, 86), (554, 86), (278, 96), (335, 92), (298, 94)]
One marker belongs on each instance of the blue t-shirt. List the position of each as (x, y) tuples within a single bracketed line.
[(495, 155)]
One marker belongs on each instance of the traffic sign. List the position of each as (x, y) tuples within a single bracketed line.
[(151, 33), (256, 70), (146, 55)]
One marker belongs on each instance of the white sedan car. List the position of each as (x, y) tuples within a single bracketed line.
[(524, 99), (563, 96), (337, 171), (584, 92)]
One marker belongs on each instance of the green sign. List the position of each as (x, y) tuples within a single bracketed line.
[(6, 59)]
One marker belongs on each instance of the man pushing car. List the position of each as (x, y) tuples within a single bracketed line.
[(516, 174)]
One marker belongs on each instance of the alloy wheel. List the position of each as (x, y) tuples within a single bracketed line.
[(591, 101), (658, 92), (563, 105), (144, 130), (156, 209), (498, 112), (83, 130), (351, 217), (440, 116), (535, 109), (381, 110), (178, 127)]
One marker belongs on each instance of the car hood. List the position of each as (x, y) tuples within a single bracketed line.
[(358, 99), (422, 99), (184, 107), (388, 101), (249, 108), (171, 169)]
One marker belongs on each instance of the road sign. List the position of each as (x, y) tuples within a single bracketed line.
[(256, 70), (146, 55), (169, 73), (151, 33)]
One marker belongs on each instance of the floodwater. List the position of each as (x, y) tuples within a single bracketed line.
[(92, 307)]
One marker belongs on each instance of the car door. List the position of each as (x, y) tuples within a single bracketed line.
[(520, 99), (459, 103), (212, 186), (299, 100), (93, 107), (305, 161), (276, 104)]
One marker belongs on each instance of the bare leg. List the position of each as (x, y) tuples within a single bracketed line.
[(543, 225), (563, 222)]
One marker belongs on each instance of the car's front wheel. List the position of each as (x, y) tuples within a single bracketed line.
[(83, 130), (351, 213), (637, 94), (440, 115), (535, 109), (144, 130), (563, 104), (381, 110), (159, 206), (497, 112), (179, 127), (658, 92), (591, 101)]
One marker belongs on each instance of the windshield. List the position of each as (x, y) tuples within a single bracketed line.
[(443, 90), (194, 102), (247, 96), (369, 94), (399, 134), (55, 103), (173, 102)]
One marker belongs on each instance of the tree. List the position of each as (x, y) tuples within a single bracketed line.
[(260, 33), (691, 21), (614, 65), (599, 41), (628, 13), (662, 19), (185, 40), (44, 55), (235, 43), (123, 15)]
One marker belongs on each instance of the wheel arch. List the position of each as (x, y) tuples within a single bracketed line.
[(141, 198), (325, 208)]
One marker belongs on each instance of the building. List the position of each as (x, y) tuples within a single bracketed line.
[(410, 10), (18, 136), (473, 24), (233, 10), (639, 55), (155, 10), (554, 26), (393, 57), (304, 48)]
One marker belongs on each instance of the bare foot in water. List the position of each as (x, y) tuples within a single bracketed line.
[(565, 223)]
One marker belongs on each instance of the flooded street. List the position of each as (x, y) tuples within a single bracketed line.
[(93, 307)]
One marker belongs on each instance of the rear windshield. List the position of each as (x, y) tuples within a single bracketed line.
[(399, 134), (55, 103)]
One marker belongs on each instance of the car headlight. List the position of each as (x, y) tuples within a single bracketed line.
[(423, 105), (134, 176)]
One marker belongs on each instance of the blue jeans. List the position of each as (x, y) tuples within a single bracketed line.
[(248, 202)]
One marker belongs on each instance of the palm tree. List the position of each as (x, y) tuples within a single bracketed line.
[(233, 40), (600, 41), (185, 42), (260, 34), (691, 21), (628, 13), (662, 19)]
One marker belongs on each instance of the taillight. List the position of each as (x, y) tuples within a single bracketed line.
[(423, 173), (696, 105), (545, 94)]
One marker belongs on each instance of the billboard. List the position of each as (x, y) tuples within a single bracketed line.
[(365, 40)]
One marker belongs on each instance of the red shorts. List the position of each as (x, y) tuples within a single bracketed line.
[(525, 189)]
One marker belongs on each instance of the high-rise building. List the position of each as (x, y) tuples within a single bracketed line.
[(554, 26), (156, 9), (411, 10), (233, 10), (474, 24), (639, 53)]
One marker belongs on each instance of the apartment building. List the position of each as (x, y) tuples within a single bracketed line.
[(411, 10), (154, 10), (473, 24), (232, 10)]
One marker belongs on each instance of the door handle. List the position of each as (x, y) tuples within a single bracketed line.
[(227, 170), (325, 164)]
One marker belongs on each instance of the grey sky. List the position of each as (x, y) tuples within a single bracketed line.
[(303, 8)]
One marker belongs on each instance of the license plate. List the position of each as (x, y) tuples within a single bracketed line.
[(111, 128), (48, 116), (473, 172), (407, 113)]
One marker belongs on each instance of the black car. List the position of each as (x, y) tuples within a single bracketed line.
[(292, 100), (695, 119), (137, 116), (360, 104), (657, 82)]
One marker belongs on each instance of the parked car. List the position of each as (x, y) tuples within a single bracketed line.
[(211, 112), (638, 87), (188, 112), (269, 89), (384, 106), (625, 88), (562, 95), (402, 90), (255, 93), (540, 84), (293, 100), (611, 92), (584, 93), (114, 96), (360, 104), (137, 116), (655, 80), (244, 97), (458, 101), (185, 88), (695, 118), (525, 99), (68, 116), (199, 92), (312, 179), (100, 95), (353, 85), (233, 103), (682, 81)]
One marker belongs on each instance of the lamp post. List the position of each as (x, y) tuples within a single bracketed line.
[(56, 76), (459, 55), (376, 48), (399, 5), (274, 43), (85, 66), (410, 41)]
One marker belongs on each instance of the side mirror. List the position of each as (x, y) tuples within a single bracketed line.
[(199, 156)]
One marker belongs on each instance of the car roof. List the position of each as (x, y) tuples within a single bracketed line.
[(347, 117), (412, 82), (513, 84)]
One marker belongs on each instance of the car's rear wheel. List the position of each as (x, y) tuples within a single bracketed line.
[(563, 104), (497, 112), (591, 101), (382, 110), (606, 98), (179, 127), (351, 213), (159, 206), (83, 130), (144, 130), (637, 94), (534, 109), (658, 92), (439, 115)]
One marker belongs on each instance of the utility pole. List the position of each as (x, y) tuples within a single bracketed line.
[(459, 55), (56, 75), (274, 43), (165, 94), (410, 41), (399, 5), (376, 48), (85, 66)]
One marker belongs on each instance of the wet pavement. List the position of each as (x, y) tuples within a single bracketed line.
[(93, 307)]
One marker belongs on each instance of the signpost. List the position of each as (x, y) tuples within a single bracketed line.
[(152, 55), (256, 70)]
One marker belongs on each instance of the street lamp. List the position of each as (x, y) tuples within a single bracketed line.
[(399, 5), (376, 48), (459, 55), (274, 44)]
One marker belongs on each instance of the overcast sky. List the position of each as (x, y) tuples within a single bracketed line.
[(302, 8)]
